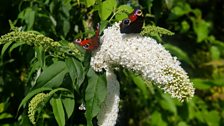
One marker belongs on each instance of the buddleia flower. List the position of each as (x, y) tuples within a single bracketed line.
[(109, 109), (144, 56)]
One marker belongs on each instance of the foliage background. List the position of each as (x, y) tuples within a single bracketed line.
[(198, 43)]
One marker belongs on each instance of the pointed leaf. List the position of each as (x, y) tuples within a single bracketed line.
[(168, 104), (90, 2), (179, 53), (69, 104), (212, 118), (94, 95), (215, 53), (106, 8), (5, 47), (157, 120), (29, 17), (76, 71), (58, 111), (201, 83), (53, 75), (15, 45), (141, 84)]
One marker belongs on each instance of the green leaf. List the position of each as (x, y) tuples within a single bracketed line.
[(76, 71), (90, 2), (152, 31), (201, 28), (95, 94), (156, 119), (68, 103), (103, 25), (58, 110), (29, 17), (5, 116), (212, 118), (120, 16), (184, 26), (181, 9), (215, 53), (169, 3), (15, 45), (31, 94), (168, 104), (201, 84), (53, 75), (141, 84), (122, 12), (5, 47), (125, 8), (179, 53), (182, 124), (66, 27), (106, 8)]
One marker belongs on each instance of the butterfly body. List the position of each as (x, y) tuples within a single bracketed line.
[(132, 24), (91, 43)]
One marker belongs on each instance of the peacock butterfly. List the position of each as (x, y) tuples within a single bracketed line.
[(91, 43), (132, 24)]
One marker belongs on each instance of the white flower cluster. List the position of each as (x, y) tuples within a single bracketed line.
[(144, 56), (109, 110)]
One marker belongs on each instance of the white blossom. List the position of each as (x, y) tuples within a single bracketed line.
[(144, 56), (109, 109)]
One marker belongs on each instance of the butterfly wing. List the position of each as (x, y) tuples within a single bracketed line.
[(132, 24), (92, 43)]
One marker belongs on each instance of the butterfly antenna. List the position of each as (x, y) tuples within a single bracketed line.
[(98, 29)]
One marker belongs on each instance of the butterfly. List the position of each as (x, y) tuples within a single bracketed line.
[(91, 43), (132, 24)]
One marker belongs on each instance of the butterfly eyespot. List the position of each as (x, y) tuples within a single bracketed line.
[(126, 21), (138, 12), (78, 41), (86, 46)]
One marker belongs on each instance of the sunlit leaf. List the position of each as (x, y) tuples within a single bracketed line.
[(201, 28), (106, 8), (58, 111), (215, 53), (201, 84), (181, 9), (122, 12), (90, 2), (212, 118), (182, 124), (157, 120), (184, 26), (215, 63)]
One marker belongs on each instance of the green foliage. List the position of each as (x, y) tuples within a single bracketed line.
[(95, 95), (32, 63), (154, 30)]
